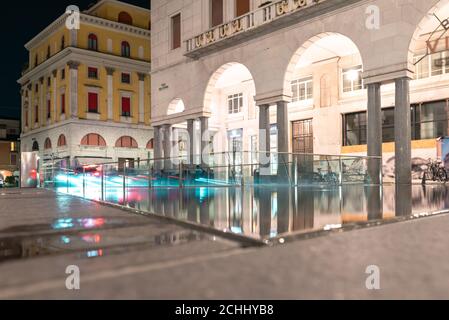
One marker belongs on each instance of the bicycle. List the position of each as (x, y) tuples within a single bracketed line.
[(435, 171)]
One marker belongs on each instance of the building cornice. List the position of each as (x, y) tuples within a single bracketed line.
[(88, 19), (119, 3), (84, 56)]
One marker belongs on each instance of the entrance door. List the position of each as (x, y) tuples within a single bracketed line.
[(303, 136), (235, 139)]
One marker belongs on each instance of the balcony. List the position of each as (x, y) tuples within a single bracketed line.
[(268, 18)]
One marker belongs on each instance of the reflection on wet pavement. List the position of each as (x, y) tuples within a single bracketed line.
[(266, 213), (91, 237)]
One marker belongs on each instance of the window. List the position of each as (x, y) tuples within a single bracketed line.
[(126, 142), (36, 114), (92, 42), (126, 78), (176, 31), (47, 144), (62, 141), (92, 103), (126, 106), (355, 129), (216, 12), (94, 140), (235, 103), (429, 121), (48, 52), (352, 79), (432, 65), (302, 89), (126, 49), (14, 146), (63, 103), (48, 109), (48, 81), (62, 74), (125, 17), (92, 73), (36, 60), (242, 7), (150, 144), (62, 42), (36, 88)]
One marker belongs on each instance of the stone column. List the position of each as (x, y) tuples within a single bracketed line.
[(141, 97), (191, 133), (73, 101), (282, 129), (205, 140), (110, 72), (264, 139), (168, 144), (402, 132), (157, 147), (374, 132)]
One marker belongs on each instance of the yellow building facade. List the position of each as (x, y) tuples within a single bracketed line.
[(86, 91)]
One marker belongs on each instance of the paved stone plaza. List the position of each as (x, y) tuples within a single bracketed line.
[(145, 258)]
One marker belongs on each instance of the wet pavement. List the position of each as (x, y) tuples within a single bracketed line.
[(125, 255)]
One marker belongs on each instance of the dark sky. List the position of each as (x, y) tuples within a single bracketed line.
[(20, 22)]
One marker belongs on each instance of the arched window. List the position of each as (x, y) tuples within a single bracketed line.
[(92, 42), (35, 146), (47, 144), (62, 141), (94, 140), (150, 144), (126, 142), (126, 49), (125, 17)]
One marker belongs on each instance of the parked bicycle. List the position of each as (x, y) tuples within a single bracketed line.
[(435, 171)]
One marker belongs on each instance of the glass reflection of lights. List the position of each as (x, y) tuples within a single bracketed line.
[(69, 223), (95, 253)]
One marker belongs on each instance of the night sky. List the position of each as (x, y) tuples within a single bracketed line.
[(20, 22)]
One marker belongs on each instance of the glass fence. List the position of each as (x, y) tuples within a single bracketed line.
[(114, 180)]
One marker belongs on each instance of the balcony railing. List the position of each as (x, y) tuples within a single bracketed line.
[(264, 15)]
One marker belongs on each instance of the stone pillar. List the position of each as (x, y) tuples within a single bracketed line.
[(282, 126), (168, 144), (73, 101), (110, 72), (282, 129), (141, 97), (402, 124), (264, 139), (191, 133), (157, 147), (374, 132), (205, 140)]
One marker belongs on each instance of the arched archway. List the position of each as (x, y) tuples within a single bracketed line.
[(229, 98), (322, 72), (125, 17), (62, 141), (126, 142), (35, 146), (47, 144), (175, 107), (93, 140)]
